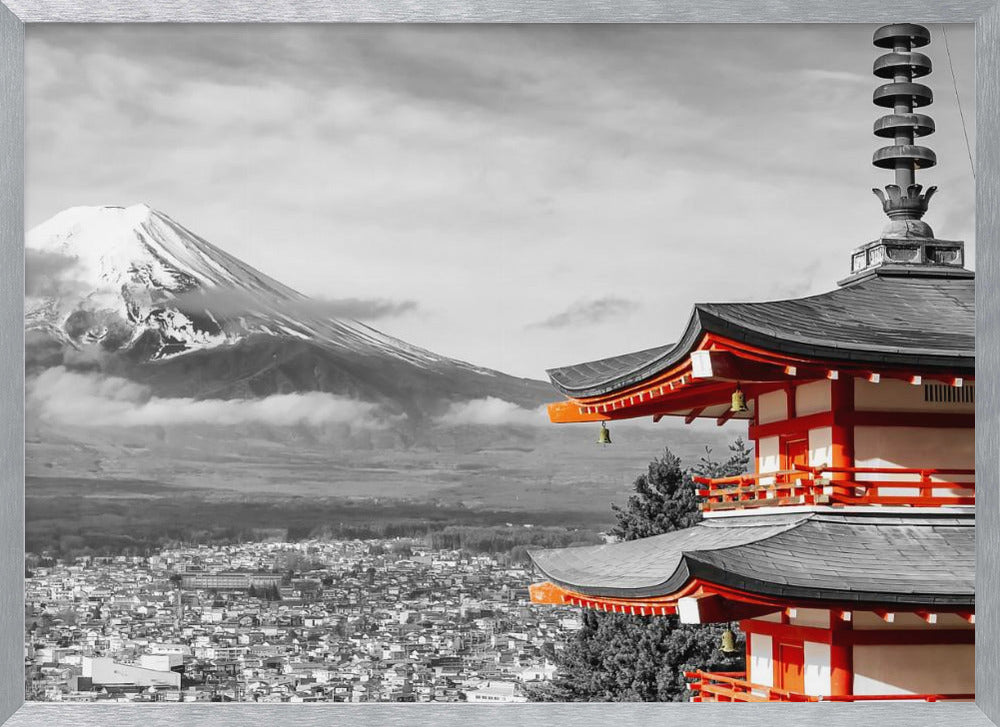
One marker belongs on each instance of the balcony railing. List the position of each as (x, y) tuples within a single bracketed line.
[(804, 485), (732, 686)]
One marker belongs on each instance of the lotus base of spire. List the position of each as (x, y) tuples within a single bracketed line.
[(905, 210)]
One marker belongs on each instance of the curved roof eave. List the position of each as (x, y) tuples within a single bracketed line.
[(779, 561), (748, 323), (690, 567), (661, 358), (653, 566)]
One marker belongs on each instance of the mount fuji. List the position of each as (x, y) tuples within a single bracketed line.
[(133, 292), (163, 373)]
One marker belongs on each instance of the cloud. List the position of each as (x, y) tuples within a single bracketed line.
[(365, 309), (825, 75), (231, 302), (589, 312), (61, 396), (46, 274), (426, 163), (796, 285), (492, 411)]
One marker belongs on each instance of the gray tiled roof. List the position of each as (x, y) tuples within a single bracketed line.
[(923, 559), (881, 320)]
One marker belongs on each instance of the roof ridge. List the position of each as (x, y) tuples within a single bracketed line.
[(927, 517)]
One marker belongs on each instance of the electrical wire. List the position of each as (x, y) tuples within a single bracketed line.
[(954, 82)]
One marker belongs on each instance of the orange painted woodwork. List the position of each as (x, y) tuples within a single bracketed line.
[(726, 365), (759, 370), (566, 412), (549, 593), (802, 425), (841, 667), (546, 593), (790, 667), (842, 431), (667, 605), (726, 416), (799, 426), (730, 686), (796, 452), (803, 484), (846, 637)]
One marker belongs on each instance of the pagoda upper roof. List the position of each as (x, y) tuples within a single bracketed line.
[(888, 318), (863, 558)]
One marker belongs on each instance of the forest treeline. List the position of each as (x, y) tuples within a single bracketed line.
[(117, 520)]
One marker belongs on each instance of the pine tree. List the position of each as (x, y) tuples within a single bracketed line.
[(665, 499), (620, 658)]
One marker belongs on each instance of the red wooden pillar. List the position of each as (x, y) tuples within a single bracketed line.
[(842, 405), (790, 408), (745, 628), (776, 663), (841, 656)]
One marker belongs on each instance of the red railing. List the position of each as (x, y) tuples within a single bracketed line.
[(733, 686), (804, 485)]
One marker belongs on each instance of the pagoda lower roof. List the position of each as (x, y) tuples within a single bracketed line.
[(861, 557), (882, 320)]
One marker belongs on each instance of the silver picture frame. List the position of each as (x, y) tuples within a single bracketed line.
[(15, 14)]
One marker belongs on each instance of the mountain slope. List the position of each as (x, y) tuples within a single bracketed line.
[(132, 290)]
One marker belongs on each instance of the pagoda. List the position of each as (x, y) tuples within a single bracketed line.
[(847, 556)]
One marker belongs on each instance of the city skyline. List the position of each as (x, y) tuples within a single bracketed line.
[(377, 620)]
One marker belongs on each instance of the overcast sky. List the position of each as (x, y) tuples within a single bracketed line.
[(528, 196)]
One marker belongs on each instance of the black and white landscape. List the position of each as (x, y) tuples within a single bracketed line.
[(135, 294), (155, 358)]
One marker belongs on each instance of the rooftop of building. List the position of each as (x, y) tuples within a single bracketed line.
[(861, 557), (887, 318)]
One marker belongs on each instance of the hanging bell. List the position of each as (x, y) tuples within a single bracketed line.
[(604, 436), (728, 645), (739, 401)]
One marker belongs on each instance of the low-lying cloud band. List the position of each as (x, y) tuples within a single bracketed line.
[(61, 396)]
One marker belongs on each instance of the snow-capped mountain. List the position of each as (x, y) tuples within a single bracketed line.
[(120, 271), (135, 270), (167, 307)]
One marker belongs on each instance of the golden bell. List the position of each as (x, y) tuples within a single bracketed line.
[(728, 645), (739, 401), (604, 436)]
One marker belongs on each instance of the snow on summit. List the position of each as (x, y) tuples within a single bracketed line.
[(126, 245), (123, 277)]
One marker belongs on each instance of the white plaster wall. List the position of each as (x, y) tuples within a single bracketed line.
[(821, 446), (915, 447), (817, 617), (915, 669), (896, 395), (817, 667), (761, 666), (812, 398), (769, 459), (772, 407)]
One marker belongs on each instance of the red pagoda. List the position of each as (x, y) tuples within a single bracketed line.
[(847, 556)]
